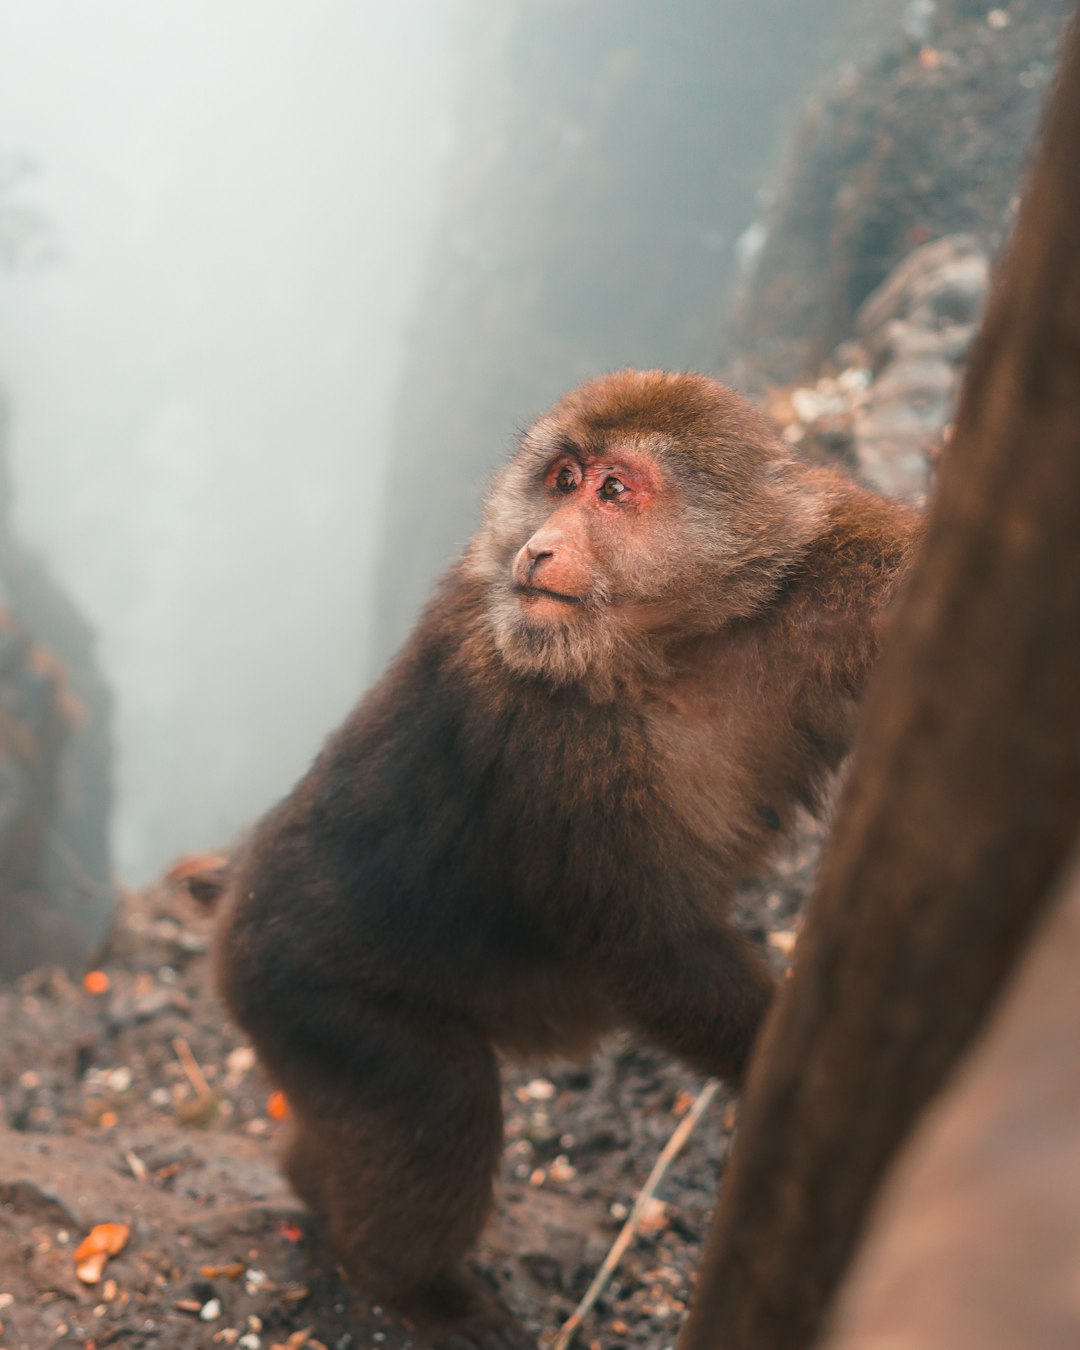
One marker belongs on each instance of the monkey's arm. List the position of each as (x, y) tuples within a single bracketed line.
[(702, 995), (838, 612), (849, 578)]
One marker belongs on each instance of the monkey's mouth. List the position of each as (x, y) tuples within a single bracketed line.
[(539, 593)]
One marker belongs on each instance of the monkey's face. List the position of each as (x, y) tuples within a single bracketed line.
[(570, 556), (646, 506)]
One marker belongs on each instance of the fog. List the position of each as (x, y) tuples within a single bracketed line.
[(238, 198), (291, 260)]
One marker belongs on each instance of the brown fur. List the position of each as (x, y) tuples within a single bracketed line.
[(529, 831)]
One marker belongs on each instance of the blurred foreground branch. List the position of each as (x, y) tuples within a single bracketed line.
[(962, 804)]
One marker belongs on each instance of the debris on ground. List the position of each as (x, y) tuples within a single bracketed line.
[(141, 1205)]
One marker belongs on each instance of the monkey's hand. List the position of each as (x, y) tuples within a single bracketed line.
[(703, 997), (504, 1334)]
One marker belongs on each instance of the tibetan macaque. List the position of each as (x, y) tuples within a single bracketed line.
[(528, 833)]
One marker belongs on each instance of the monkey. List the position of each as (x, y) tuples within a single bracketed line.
[(526, 835)]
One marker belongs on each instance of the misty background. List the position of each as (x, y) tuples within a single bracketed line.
[(299, 274)]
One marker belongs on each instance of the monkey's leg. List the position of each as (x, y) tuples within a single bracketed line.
[(396, 1142), (704, 998)]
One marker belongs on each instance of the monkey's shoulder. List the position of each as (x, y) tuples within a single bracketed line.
[(762, 710), (857, 560)]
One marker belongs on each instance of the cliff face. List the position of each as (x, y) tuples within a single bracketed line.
[(609, 158), (56, 893), (927, 140)]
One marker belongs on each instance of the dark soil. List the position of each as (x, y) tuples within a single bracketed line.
[(102, 1123)]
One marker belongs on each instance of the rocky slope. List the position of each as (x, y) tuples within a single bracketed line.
[(929, 139), (56, 893)]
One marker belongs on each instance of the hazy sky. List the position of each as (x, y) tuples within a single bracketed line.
[(241, 194)]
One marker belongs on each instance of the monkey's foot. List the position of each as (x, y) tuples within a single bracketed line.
[(503, 1333), (458, 1312)]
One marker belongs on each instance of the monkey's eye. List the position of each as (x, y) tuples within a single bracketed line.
[(611, 489), (565, 479)]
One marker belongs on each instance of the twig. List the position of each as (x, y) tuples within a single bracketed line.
[(669, 1152), (190, 1066), (138, 1167), (79, 876)]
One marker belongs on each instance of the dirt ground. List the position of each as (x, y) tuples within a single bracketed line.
[(139, 1105)]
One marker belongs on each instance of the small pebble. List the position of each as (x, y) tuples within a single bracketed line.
[(653, 1218), (783, 941), (254, 1280), (562, 1169), (119, 1080)]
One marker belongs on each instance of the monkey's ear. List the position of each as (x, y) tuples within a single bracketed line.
[(203, 875)]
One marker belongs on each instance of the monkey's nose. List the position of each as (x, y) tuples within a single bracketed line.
[(529, 557)]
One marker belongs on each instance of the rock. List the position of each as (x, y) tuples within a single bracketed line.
[(916, 329), (30, 1198), (940, 285), (56, 895), (912, 144)]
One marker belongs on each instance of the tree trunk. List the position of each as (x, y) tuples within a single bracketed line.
[(963, 801)]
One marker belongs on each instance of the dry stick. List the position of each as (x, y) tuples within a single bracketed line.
[(70, 860), (138, 1168), (670, 1151), (190, 1066)]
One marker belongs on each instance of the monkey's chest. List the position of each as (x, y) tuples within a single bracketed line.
[(722, 773)]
